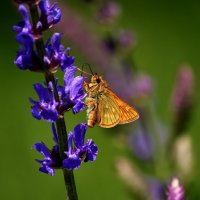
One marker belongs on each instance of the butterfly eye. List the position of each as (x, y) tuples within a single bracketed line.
[(98, 80)]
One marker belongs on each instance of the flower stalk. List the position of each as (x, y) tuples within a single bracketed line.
[(60, 123)]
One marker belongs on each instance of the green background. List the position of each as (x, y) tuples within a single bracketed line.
[(168, 33)]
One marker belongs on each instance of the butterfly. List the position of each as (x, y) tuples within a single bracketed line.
[(105, 108)]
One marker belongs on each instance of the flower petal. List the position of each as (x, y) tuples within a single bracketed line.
[(79, 134), (73, 162), (41, 148), (76, 87), (69, 77)]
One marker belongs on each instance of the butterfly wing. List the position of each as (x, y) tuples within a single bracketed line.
[(127, 113), (108, 114)]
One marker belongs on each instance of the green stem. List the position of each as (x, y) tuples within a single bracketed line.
[(60, 123)]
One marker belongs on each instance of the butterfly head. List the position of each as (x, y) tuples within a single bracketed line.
[(96, 78)]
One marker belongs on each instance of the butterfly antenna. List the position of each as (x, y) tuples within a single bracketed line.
[(89, 67)]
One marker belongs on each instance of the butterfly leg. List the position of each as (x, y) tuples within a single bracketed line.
[(91, 111)]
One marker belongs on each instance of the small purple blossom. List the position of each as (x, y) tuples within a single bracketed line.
[(78, 150), (175, 190), (50, 14), (72, 93), (56, 55), (26, 58), (156, 188), (51, 157), (24, 29), (46, 107)]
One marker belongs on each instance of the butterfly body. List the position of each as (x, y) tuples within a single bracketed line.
[(105, 108)]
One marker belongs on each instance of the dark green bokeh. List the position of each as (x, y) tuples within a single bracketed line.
[(168, 35)]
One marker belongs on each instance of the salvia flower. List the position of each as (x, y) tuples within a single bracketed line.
[(71, 96), (78, 150), (56, 55), (51, 159), (175, 190), (72, 93), (46, 107), (26, 58), (24, 29), (50, 14)]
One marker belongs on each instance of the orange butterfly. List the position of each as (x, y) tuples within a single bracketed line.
[(105, 108)]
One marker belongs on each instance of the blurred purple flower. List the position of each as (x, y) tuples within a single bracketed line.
[(141, 144), (142, 86), (78, 150), (108, 12), (156, 188), (51, 159), (175, 190), (184, 88), (125, 39), (182, 98)]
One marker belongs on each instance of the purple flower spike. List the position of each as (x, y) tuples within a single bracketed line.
[(175, 190), (72, 93), (46, 107), (50, 15), (184, 89), (51, 158), (78, 151), (183, 98), (26, 58)]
